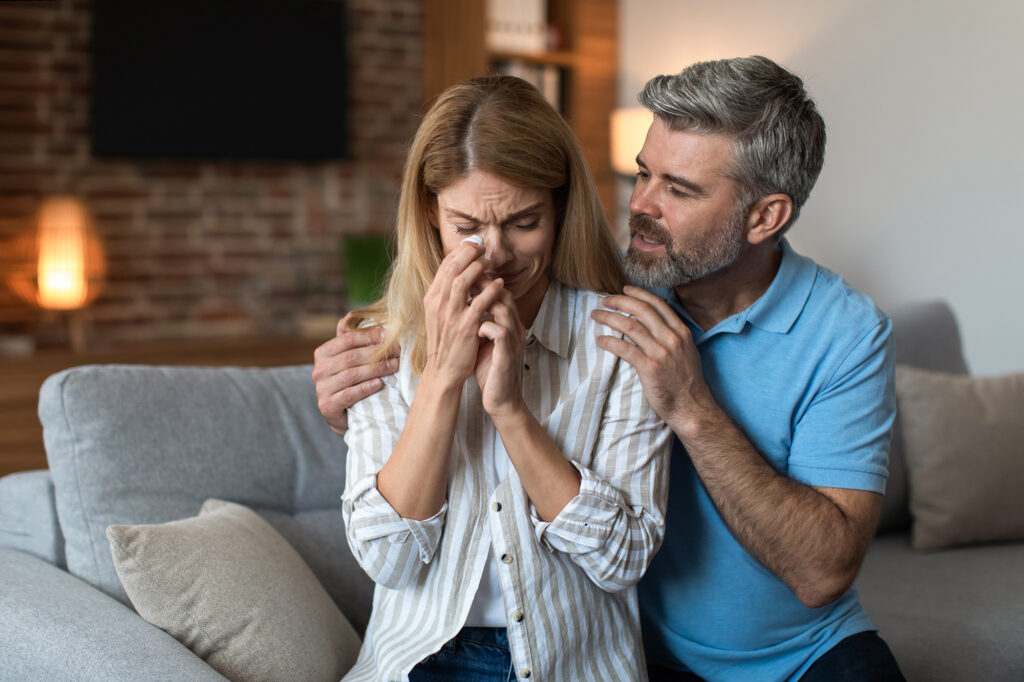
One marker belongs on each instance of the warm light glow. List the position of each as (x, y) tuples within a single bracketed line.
[(62, 255), (59, 264), (629, 130)]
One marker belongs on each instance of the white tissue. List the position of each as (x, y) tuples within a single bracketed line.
[(476, 239)]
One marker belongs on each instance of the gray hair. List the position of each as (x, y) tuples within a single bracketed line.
[(779, 145)]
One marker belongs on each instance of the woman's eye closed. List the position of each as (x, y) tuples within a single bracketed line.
[(467, 228), (528, 224)]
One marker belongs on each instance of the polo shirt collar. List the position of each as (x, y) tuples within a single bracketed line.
[(550, 327), (778, 307)]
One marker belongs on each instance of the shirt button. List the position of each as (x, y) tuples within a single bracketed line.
[(524, 673), (506, 558), (518, 616), (496, 506)]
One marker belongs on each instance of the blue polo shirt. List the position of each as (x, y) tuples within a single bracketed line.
[(806, 373)]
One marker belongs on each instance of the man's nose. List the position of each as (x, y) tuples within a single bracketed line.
[(642, 201)]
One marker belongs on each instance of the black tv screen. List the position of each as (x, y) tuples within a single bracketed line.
[(219, 79)]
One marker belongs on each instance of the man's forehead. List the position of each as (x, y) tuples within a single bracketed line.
[(700, 157)]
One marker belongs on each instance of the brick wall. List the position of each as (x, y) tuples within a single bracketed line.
[(200, 248)]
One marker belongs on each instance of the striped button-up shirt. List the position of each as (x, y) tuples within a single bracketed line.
[(568, 584)]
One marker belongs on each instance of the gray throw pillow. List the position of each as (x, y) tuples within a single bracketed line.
[(963, 440), (229, 587)]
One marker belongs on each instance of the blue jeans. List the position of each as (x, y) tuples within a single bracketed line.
[(473, 655), (862, 657)]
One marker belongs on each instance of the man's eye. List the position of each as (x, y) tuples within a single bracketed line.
[(676, 192)]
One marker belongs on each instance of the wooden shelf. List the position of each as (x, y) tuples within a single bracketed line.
[(21, 435), (563, 59)]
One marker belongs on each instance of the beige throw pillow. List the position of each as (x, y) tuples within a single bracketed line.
[(963, 441), (230, 588)]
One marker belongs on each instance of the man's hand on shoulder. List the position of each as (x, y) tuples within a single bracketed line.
[(662, 351), (344, 375)]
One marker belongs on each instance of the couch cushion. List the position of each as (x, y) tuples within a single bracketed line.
[(229, 587), (924, 335), (28, 516), (134, 444), (54, 626), (950, 615), (963, 440)]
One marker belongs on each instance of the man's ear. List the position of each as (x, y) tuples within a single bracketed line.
[(767, 217)]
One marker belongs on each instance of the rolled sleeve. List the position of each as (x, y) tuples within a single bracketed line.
[(614, 526), (375, 524), (588, 520), (391, 549)]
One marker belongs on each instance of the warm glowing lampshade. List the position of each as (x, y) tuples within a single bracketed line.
[(59, 266), (629, 130)]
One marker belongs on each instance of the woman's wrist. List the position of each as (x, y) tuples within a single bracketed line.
[(515, 415), (440, 383)]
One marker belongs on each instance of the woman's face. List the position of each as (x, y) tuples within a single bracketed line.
[(517, 226)]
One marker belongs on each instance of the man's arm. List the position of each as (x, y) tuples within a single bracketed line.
[(813, 539), (343, 374)]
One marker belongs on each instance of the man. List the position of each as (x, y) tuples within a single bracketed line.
[(774, 375)]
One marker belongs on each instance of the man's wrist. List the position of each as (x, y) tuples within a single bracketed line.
[(699, 421)]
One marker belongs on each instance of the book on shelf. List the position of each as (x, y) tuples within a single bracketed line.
[(517, 25)]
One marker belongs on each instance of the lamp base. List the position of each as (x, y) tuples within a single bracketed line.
[(76, 331), (16, 346)]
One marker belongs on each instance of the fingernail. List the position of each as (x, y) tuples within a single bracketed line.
[(476, 239)]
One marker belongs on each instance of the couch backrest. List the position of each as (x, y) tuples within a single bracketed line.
[(925, 335), (137, 444)]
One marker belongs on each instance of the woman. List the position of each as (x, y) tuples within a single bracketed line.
[(506, 488)]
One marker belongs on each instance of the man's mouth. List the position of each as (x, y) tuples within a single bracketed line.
[(643, 243)]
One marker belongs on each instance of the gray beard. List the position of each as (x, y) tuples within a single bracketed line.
[(678, 268)]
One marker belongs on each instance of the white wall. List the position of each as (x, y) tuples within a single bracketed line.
[(922, 194)]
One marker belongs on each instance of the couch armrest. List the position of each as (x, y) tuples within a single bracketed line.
[(55, 626), (28, 516)]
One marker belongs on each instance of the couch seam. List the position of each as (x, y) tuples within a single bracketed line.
[(77, 476)]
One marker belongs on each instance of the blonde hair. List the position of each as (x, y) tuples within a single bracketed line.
[(503, 126)]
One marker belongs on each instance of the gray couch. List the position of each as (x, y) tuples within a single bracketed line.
[(133, 444)]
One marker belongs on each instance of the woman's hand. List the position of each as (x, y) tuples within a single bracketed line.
[(499, 365), (453, 318)]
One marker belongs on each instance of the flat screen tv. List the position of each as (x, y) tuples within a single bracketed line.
[(219, 79)]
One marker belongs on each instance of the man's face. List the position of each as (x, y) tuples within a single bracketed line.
[(684, 224)]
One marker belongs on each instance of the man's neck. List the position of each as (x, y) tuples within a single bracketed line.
[(732, 289)]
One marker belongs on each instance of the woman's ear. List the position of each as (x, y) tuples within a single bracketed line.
[(432, 212), (768, 217)]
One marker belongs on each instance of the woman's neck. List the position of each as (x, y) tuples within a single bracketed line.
[(528, 305)]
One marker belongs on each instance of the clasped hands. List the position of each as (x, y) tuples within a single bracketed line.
[(473, 328)]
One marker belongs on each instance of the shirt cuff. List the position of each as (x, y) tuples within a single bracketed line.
[(588, 520), (373, 518)]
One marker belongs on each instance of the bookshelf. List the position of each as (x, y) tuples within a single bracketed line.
[(585, 57)]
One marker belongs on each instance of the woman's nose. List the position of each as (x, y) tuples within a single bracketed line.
[(497, 250)]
